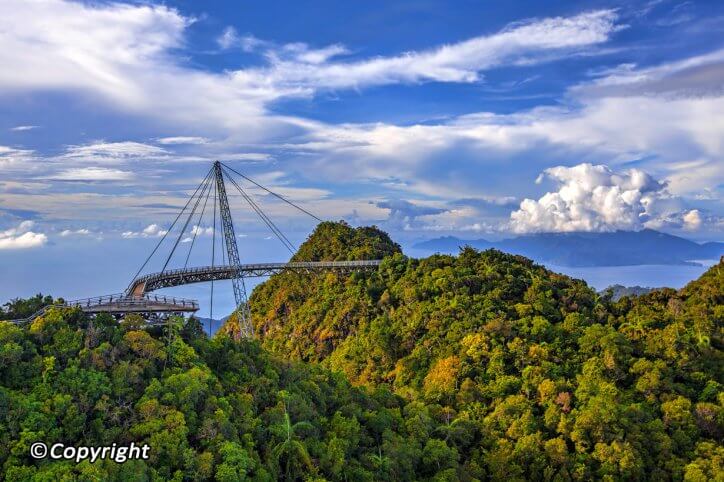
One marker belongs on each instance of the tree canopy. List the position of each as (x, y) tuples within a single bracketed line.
[(481, 366)]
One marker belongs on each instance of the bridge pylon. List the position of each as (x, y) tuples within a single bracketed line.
[(188, 225), (246, 329)]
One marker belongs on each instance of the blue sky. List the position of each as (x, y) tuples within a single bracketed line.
[(480, 119)]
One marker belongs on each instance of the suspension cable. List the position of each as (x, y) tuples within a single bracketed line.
[(213, 256), (271, 192), (201, 218), (273, 227), (183, 230), (267, 220), (172, 225)]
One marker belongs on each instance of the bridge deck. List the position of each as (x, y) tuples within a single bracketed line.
[(167, 279), (137, 300), (120, 304)]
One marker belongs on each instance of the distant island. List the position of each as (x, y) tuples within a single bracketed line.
[(619, 291), (619, 248)]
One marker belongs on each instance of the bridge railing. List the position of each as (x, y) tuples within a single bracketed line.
[(256, 266), (176, 277), (117, 300), (121, 299)]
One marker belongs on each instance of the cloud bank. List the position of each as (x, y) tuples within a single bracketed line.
[(595, 198)]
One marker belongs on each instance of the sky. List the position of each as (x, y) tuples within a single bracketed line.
[(426, 118)]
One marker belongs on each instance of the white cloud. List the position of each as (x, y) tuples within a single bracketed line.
[(298, 69), (123, 54), (111, 152), (692, 220), (126, 56), (230, 38), (14, 158), (677, 137), (303, 54), (92, 174), (246, 156), (697, 75), (22, 237), (198, 231), (595, 198), (23, 128), (150, 231), (182, 140), (153, 230), (201, 231), (119, 55), (78, 232)]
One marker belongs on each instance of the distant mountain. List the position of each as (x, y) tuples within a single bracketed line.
[(619, 291), (211, 326), (619, 248)]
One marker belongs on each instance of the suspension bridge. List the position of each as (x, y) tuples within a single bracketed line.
[(139, 296)]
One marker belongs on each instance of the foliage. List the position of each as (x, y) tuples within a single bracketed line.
[(22, 308), (210, 409), (544, 377), (483, 366)]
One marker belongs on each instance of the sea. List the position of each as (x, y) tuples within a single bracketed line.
[(646, 275)]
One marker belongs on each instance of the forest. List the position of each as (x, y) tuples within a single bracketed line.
[(480, 366)]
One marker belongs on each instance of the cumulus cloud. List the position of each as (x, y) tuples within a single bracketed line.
[(201, 231), (197, 231), (692, 220), (21, 237), (150, 231), (595, 198)]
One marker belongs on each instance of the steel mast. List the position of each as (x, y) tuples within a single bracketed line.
[(232, 251)]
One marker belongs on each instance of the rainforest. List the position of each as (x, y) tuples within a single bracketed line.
[(480, 366)]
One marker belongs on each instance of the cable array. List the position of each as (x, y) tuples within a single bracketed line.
[(215, 180)]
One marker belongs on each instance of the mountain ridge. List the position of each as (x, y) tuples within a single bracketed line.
[(580, 249)]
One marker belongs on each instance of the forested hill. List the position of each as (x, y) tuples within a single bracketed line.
[(481, 366), (541, 365)]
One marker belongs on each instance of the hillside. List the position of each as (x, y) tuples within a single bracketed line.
[(619, 248), (554, 378), (209, 409), (480, 366)]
